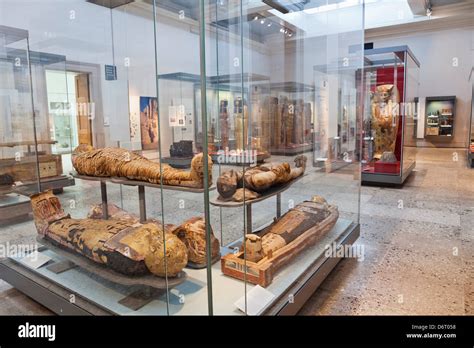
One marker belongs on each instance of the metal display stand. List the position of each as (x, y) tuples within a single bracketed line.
[(273, 191), (75, 260), (141, 190)]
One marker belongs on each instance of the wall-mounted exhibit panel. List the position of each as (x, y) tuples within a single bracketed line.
[(440, 116)]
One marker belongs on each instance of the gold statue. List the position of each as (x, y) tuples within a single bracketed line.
[(385, 118)]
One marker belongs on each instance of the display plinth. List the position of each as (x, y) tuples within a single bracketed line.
[(178, 162), (14, 206), (95, 295), (291, 150), (391, 179), (111, 275), (6, 189)]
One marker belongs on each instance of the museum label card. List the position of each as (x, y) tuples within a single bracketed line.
[(257, 299), (181, 115), (172, 115), (35, 260)]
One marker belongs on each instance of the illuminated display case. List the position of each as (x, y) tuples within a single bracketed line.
[(391, 77), (18, 161), (208, 184), (440, 116)]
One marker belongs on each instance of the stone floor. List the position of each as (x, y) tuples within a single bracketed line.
[(419, 246), (418, 240)]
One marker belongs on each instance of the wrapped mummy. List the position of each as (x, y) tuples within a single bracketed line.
[(120, 244), (256, 180), (117, 162)]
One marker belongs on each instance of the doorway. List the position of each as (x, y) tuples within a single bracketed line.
[(70, 123), (83, 108)]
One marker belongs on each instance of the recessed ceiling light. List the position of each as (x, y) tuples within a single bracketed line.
[(282, 30), (269, 24), (262, 21)]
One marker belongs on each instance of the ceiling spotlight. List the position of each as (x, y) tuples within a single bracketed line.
[(255, 18), (290, 35), (282, 30), (262, 21), (269, 24)]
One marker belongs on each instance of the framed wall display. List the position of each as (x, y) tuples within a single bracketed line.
[(440, 116), (149, 123)]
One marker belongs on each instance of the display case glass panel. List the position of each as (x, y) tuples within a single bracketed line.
[(257, 207), (89, 64), (391, 84), (215, 150), (19, 172)]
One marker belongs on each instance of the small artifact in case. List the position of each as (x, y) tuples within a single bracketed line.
[(6, 180), (183, 148)]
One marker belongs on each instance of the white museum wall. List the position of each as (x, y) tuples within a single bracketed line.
[(82, 32), (439, 75)]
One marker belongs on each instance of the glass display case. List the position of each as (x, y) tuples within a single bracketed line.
[(18, 161), (206, 176), (25, 144), (390, 78), (440, 116), (231, 118)]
